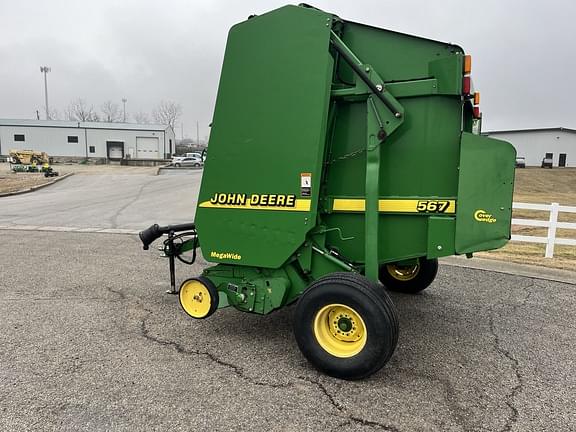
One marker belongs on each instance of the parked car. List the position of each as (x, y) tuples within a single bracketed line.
[(197, 155), (520, 162), (187, 162), (547, 163)]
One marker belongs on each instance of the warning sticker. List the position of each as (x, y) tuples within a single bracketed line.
[(305, 184)]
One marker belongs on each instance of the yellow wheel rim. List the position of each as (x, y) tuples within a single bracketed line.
[(340, 330), (195, 299), (403, 273)]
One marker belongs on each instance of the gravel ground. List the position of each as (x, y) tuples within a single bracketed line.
[(89, 341), (11, 181)]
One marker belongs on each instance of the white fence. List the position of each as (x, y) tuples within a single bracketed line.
[(552, 224)]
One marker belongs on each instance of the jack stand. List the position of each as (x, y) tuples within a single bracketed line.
[(169, 248), (171, 260)]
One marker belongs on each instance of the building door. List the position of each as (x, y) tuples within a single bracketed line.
[(562, 160), (549, 155), (147, 147), (115, 150)]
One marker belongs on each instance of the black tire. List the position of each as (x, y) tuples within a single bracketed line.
[(177, 165), (15, 159), (358, 358), (34, 160), (194, 308), (409, 279)]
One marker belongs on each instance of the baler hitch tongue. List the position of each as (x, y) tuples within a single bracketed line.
[(155, 231), (174, 245)]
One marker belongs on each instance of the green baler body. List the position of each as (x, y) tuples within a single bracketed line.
[(299, 143)]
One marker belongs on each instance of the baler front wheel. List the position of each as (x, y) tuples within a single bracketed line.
[(409, 279), (346, 325), (198, 297)]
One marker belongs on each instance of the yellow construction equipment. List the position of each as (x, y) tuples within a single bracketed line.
[(27, 157)]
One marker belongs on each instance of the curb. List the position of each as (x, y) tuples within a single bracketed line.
[(59, 229), (525, 270), (177, 170), (34, 188)]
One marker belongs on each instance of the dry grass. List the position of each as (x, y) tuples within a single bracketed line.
[(530, 253), (538, 185), (13, 182), (542, 186)]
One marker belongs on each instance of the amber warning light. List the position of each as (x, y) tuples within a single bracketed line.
[(467, 64)]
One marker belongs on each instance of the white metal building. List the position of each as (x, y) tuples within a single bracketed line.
[(536, 144), (80, 140)]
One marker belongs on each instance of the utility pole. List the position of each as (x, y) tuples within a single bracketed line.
[(124, 100), (197, 134), (45, 70), (182, 130)]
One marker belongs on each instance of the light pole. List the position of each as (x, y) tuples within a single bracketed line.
[(124, 100), (45, 70)]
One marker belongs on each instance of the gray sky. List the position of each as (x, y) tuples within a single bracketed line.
[(523, 52)]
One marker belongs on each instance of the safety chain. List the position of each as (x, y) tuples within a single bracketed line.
[(346, 156)]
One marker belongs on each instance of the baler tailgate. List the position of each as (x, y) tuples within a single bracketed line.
[(485, 188)]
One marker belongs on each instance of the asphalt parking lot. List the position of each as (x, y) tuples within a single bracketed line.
[(90, 341), (105, 201)]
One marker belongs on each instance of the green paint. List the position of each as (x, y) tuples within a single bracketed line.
[(297, 103), (256, 290), (441, 232), (269, 127), (485, 188)]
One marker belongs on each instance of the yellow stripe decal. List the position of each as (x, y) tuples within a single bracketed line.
[(443, 206), (300, 205)]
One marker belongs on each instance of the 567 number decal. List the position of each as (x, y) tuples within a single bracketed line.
[(432, 206)]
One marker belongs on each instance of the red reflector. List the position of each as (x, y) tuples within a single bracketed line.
[(477, 113), (466, 85)]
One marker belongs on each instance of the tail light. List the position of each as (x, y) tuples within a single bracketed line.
[(466, 86), (476, 109), (467, 68)]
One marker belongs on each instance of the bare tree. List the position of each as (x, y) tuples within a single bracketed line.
[(78, 110), (53, 114), (167, 113), (141, 117), (111, 112)]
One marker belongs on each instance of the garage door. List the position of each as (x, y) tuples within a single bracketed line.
[(115, 149), (147, 148)]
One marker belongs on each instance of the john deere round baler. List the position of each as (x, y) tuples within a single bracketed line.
[(344, 159)]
